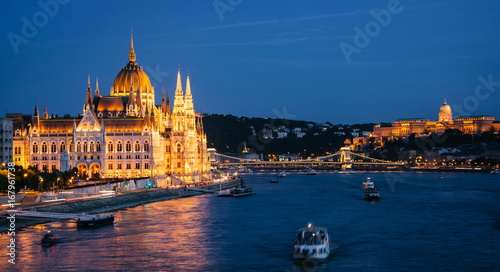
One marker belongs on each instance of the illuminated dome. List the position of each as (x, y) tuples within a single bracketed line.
[(445, 114), (121, 86), (445, 108)]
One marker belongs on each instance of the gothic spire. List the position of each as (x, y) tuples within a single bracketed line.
[(131, 55), (96, 86), (45, 115), (168, 103), (138, 99), (131, 95), (178, 89), (35, 113), (188, 88), (163, 108)]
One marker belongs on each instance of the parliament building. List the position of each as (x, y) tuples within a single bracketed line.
[(120, 135)]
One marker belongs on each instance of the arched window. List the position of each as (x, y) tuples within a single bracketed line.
[(146, 146), (44, 147), (54, 167), (35, 147), (70, 145), (110, 146), (137, 146), (98, 146), (179, 147), (119, 146), (110, 166), (137, 165), (146, 165), (44, 167), (78, 147), (128, 146), (85, 147), (53, 147), (91, 146), (63, 147), (167, 149)]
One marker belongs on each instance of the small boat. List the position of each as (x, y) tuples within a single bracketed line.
[(495, 172), (274, 181), (310, 171), (348, 171), (243, 190), (95, 220), (282, 175), (312, 243), (372, 193), (49, 239), (368, 184), (440, 177)]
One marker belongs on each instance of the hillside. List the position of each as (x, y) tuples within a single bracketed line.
[(229, 134)]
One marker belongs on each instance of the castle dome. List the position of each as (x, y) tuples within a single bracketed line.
[(121, 86), (445, 108), (445, 114)]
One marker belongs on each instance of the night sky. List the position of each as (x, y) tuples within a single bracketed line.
[(262, 58)]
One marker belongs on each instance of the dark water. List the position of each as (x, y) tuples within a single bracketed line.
[(422, 223)]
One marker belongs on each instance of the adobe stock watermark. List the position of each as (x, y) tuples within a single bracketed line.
[(381, 18), (11, 193), (156, 74), (483, 91), (30, 28), (258, 142), (223, 6)]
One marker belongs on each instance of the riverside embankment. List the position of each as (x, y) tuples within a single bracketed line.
[(121, 201)]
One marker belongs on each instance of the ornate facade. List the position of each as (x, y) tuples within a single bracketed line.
[(468, 125), (123, 135)]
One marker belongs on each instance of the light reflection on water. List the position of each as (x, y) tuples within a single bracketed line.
[(422, 224)]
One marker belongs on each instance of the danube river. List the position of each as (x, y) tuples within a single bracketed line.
[(422, 223)]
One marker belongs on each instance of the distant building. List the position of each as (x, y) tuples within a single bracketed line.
[(289, 157), (6, 146), (282, 134), (403, 128)]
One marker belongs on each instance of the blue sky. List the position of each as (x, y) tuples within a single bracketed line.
[(263, 58)]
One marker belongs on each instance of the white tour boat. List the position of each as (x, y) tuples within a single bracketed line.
[(368, 184), (312, 242)]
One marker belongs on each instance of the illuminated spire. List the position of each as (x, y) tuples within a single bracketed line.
[(131, 95), (188, 88), (445, 101), (138, 99), (88, 84), (36, 110), (97, 86), (131, 55), (168, 103), (163, 108), (45, 115), (178, 89)]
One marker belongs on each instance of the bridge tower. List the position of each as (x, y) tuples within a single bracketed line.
[(345, 155)]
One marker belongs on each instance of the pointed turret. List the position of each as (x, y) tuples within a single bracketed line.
[(88, 100), (97, 86), (188, 88), (131, 94), (35, 113), (178, 89), (168, 104), (131, 55), (138, 99), (36, 116), (163, 108), (45, 115)]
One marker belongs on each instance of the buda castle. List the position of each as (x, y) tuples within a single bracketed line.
[(121, 135)]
